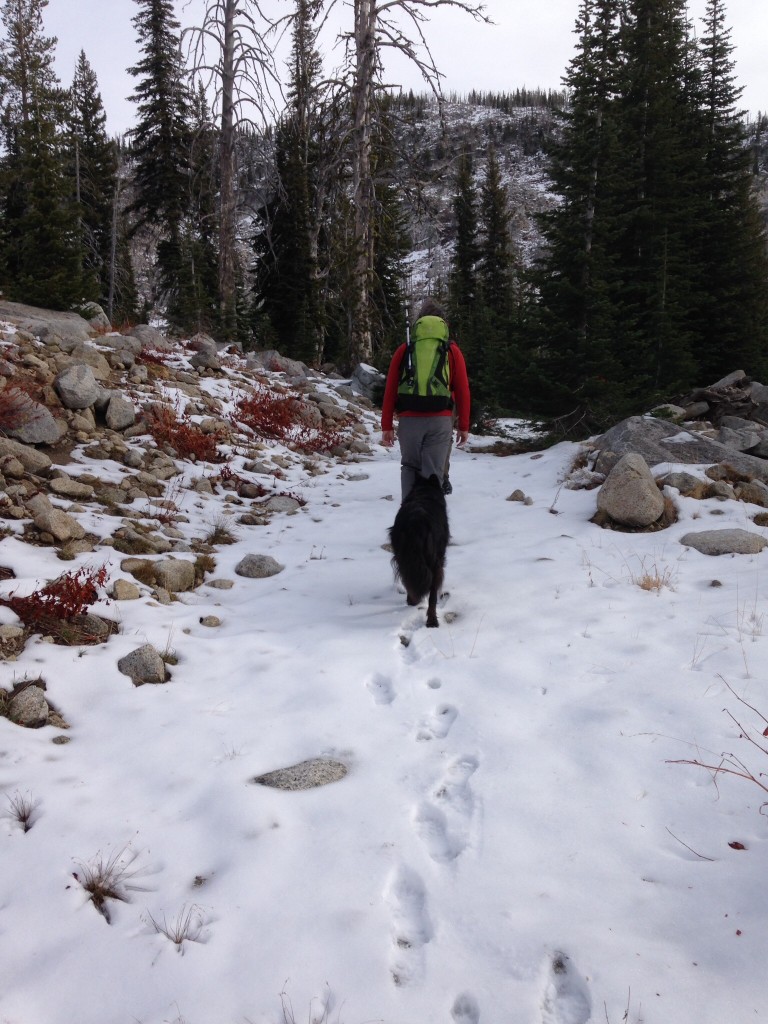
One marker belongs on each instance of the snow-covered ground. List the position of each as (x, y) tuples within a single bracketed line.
[(511, 844)]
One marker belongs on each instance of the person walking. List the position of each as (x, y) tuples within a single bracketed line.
[(427, 377)]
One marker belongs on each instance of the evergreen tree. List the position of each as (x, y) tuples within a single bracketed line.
[(574, 366), (660, 193), (94, 172), (466, 255), (733, 327), (42, 257), (161, 144)]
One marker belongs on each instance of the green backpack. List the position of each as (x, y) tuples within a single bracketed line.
[(425, 373)]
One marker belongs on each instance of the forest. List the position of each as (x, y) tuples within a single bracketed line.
[(274, 207)]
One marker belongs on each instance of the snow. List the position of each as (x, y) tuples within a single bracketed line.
[(511, 844)]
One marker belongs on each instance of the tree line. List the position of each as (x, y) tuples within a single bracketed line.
[(284, 225)]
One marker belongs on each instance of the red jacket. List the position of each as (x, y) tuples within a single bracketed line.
[(459, 388)]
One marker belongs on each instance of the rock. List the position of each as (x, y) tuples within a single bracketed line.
[(661, 441), (124, 590), (144, 665), (258, 567), (220, 584), (687, 484), (310, 774), (120, 413), (270, 359), (367, 381), (150, 338), (282, 503), (32, 460), (754, 492), (66, 487), (212, 621), (87, 355), (725, 542), (206, 352), (39, 426), (48, 519), (29, 708), (630, 495), (76, 386), (175, 574), (93, 314)]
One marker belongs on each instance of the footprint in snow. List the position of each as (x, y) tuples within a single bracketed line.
[(565, 999), (465, 1009), (438, 724), (443, 825), (380, 688), (406, 898)]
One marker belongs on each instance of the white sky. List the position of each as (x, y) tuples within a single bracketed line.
[(530, 44), (509, 796)]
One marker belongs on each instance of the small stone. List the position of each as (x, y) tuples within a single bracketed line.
[(258, 567), (144, 665), (124, 590), (310, 774), (220, 584), (210, 620), (29, 708)]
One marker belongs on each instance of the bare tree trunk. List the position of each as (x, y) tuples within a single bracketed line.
[(227, 209), (361, 340), (113, 248)]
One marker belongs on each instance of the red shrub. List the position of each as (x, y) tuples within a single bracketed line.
[(15, 407), (279, 418), (151, 355), (185, 437), (63, 599)]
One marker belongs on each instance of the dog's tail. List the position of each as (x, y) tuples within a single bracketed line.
[(414, 561)]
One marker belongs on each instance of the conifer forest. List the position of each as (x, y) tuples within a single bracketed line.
[(308, 205)]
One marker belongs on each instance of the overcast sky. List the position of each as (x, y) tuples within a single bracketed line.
[(530, 44)]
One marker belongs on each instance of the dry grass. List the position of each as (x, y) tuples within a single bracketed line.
[(21, 808), (187, 926), (108, 878)]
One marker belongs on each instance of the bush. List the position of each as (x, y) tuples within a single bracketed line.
[(185, 437), (62, 600), (280, 418)]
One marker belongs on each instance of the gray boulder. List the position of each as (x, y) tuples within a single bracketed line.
[(725, 542), (77, 386), (661, 441), (144, 665), (120, 413), (270, 359), (150, 338), (629, 494), (29, 708), (48, 519), (38, 425), (367, 381), (32, 460), (310, 774), (175, 574), (258, 567)]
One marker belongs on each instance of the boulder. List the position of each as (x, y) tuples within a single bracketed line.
[(144, 665), (48, 519), (258, 567), (32, 460), (150, 338), (39, 426), (317, 771), (77, 387), (270, 359), (120, 413), (630, 495), (661, 441), (29, 708), (175, 574), (725, 542), (368, 381)]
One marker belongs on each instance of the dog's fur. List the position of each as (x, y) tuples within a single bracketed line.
[(419, 540)]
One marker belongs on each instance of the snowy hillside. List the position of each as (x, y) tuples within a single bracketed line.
[(506, 841)]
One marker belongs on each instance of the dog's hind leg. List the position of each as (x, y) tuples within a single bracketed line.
[(434, 593)]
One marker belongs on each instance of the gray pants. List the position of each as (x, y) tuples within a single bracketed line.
[(425, 442)]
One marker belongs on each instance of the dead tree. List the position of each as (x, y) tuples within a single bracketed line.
[(378, 25), (231, 53)]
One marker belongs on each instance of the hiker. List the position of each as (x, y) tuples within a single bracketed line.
[(426, 377)]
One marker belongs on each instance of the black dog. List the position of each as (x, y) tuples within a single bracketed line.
[(419, 539)]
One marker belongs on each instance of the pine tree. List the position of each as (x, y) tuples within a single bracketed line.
[(466, 255), (161, 142), (94, 170), (660, 192), (42, 256), (734, 322), (574, 368)]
